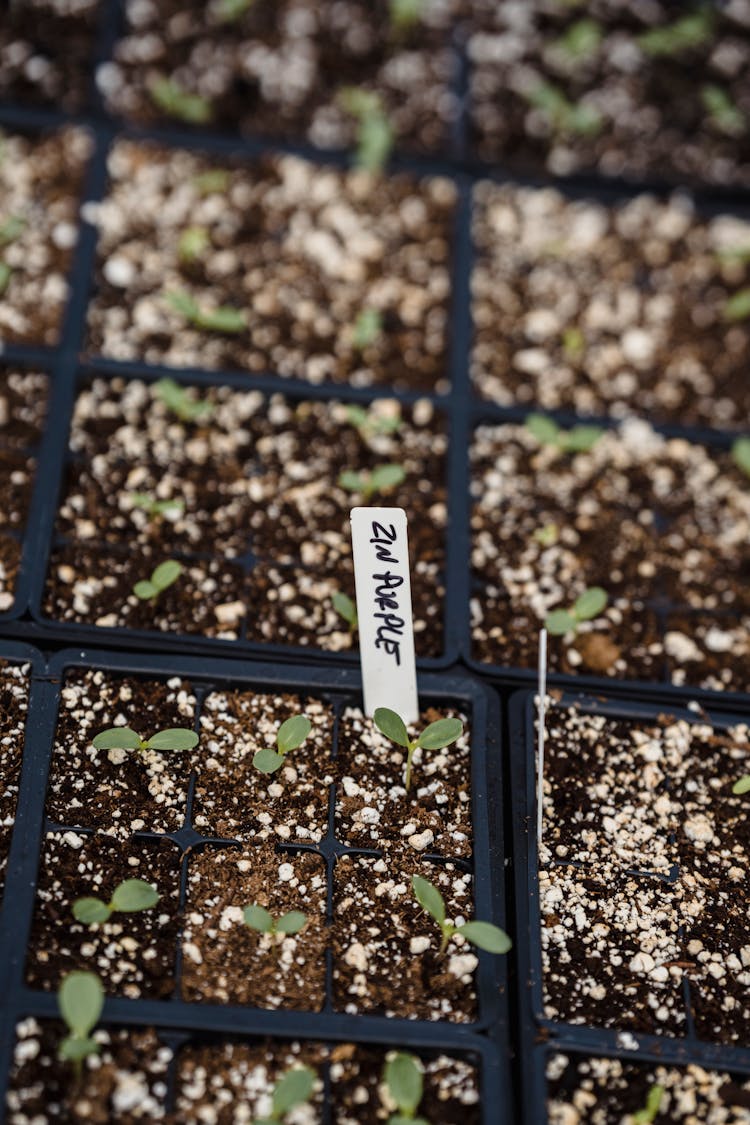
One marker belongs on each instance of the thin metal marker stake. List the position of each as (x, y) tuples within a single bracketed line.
[(541, 736)]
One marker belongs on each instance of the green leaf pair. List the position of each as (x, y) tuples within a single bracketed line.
[(685, 34), (484, 935), (125, 738), (180, 401), (168, 96), (742, 786), (346, 608), (225, 318), (563, 116), (80, 999), (372, 423), (155, 508), (374, 132), (367, 328), (129, 897), (402, 1077), (381, 479), (260, 919), (589, 605), (436, 736), (293, 1088), (291, 734), (579, 439), (165, 575), (650, 1111)]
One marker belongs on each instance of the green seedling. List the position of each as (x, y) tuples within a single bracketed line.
[(436, 736), (563, 116), (738, 306), (484, 935), (374, 131), (230, 10), (548, 535), (258, 918), (741, 454), (155, 509), (125, 738), (402, 1078), (581, 41), (168, 96), (404, 15), (294, 1088), (290, 735), (80, 999), (742, 786), (589, 605), (580, 439), (650, 1111), (162, 577), (224, 319), (382, 479), (214, 182), (371, 423), (685, 34), (347, 609), (574, 343), (193, 244), (129, 897), (723, 112), (367, 328), (180, 401), (11, 228)]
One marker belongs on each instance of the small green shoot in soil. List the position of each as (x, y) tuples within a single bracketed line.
[(156, 509), (548, 535), (181, 402), (224, 319), (367, 328), (563, 116), (294, 1088), (436, 736), (574, 343), (579, 439), (129, 897), (230, 10), (404, 15), (258, 918), (402, 1078), (723, 112), (581, 41), (382, 479), (80, 999), (290, 735), (193, 244), (738, 306), (125, 738), (589, 605), (374, 131), (347, 609), (10, 229), (162, 577), (650, 1111), (742, 786), (685, 34), (214, 182), (482, 934), (168, 96), (741, 454), (372, 423)]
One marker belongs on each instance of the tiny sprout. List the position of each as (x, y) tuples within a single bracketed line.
[(564, 116), (179, 400), (723, 112), (80, 999), (125, 738), (347, 609), (170, 509), (11, 228), (168, 96), (580, 439), (381, 479), (291, 734), (163, 576), (685, 34), (404, 14), (738, 306), (581, 41), (742, 786), (294, 1088), (650, 1112), (402, 1077), (230, 10), (436, 736), (741, 454), (367, 328), (194, 241), (213, 182), (258, 918), (129, 897), (573, 342), (373, 423), (482, 934), (589, 605), (374, 131), (223, 319), (548, 535)]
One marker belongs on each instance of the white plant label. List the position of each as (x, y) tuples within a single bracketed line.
[(386, 630)]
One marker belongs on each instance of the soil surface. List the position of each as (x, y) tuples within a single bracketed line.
[(298, 252), (610, 310), (658, 524), (14, 702), (40, 183), (544, 95), (45, 52), (133, 953), (279, 68), (644, 888), (224, 960), (258, 478), (599, 1091)]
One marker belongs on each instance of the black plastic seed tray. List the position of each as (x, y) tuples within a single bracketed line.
[(538, 1033), (339, 687)]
